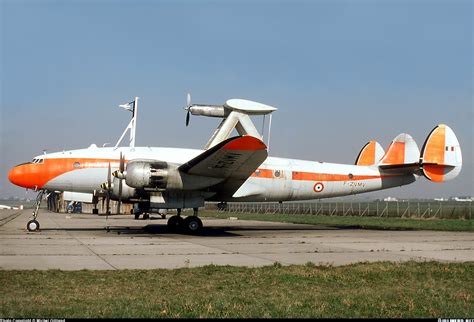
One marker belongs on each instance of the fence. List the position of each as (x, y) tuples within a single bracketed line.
[(401, 209)]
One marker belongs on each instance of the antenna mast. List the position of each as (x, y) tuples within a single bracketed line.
[(132, 126)]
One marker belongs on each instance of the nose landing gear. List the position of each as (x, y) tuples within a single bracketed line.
[(33, 225)]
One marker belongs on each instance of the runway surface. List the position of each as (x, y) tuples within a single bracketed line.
[(79, 241)]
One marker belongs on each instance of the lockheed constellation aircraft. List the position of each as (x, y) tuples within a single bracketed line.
[(230, 168)]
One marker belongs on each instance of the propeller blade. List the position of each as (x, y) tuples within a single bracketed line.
[(109, 177), (122, 163), (119, 203), (109, 186), (188, 106), (121, 169)]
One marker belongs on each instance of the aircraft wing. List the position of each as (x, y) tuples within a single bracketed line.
[(233, 160)]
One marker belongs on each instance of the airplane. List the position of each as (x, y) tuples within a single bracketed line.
[(8, 207), (230, 168)]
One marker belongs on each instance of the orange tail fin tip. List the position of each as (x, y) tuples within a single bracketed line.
[(370, 154), (402, 150), (440, 158)]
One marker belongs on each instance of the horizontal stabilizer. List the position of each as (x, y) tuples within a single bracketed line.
[(370, 154), (441, 156), (403, 150)]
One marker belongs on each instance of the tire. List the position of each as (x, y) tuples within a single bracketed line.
[(33, 225), (192, 224), (175, 223)]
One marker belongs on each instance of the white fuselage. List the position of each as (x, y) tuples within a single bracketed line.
[(277, 179)]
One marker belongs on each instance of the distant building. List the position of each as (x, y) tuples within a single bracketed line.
[(462, 199), (390, 199)]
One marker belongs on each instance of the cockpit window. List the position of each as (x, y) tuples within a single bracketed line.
[(37, 161)]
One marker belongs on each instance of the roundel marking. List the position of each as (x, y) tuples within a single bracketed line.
[(318, 187)]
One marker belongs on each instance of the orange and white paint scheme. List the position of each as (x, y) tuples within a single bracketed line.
[(235, 169)]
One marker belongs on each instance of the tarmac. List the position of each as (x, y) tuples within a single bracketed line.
[(80, 241)]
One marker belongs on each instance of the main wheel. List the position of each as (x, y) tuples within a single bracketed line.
[(146, 216), (175, 222), (32, 225), (192, 224)]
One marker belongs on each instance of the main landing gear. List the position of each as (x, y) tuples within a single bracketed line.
[(191, 224), (33, 225)]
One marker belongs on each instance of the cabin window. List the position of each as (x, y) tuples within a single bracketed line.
[(276, 173), (76, 165), (350, 176)]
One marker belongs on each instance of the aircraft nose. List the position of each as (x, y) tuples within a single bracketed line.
[(21, 175)]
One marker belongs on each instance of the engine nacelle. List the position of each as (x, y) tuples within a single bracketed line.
[(153, 175), (212, 111)]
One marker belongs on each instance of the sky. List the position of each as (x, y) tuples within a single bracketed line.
[(341, 73)]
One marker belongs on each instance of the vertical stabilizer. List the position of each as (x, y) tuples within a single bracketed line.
[(441, 156), (402, 150)]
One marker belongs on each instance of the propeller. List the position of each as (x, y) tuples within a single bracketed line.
[(120, 174), (108, 188), (188, 107)]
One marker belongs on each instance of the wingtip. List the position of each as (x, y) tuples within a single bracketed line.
[(246, 143)]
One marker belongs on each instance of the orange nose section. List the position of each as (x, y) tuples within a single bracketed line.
[(24, 175)]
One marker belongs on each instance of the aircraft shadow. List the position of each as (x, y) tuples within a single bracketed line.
[(213, 231)]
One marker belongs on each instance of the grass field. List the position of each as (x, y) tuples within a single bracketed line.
[(355, 222), (411, 289)]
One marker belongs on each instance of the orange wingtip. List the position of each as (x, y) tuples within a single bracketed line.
[(246, 143)]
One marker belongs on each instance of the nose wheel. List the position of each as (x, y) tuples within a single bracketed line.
[(33, 225)]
